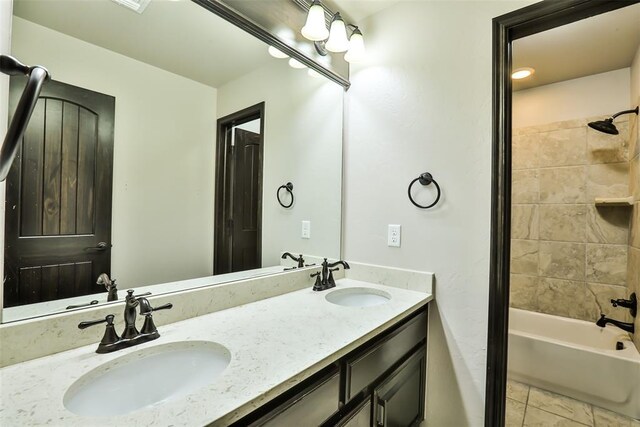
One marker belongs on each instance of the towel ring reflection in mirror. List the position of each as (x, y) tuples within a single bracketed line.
[(424, 179), (289, 187)]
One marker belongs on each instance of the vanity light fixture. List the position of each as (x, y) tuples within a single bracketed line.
[(522, 73), (336, 38), (356, 52), (277, 53), (314, 73), (294, 63), (338, 41), (315, 28)]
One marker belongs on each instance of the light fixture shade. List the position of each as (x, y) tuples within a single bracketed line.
[(338, 41), (277, 53), (294, 63), (356, 52), (313, 73), (315, 29)]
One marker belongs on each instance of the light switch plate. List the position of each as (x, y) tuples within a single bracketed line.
[(395, 233), (306, 230)]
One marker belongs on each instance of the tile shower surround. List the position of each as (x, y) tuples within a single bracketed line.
[(569, 257)]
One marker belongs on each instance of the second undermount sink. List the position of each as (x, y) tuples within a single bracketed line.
[(358, 297), (147, 378)]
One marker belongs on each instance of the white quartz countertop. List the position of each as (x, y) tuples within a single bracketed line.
[(274, 343)]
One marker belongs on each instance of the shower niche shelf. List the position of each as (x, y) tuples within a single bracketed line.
[(614, 201)]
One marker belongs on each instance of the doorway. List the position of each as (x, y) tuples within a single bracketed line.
[(239, 176), (58, 199), (507, 28)]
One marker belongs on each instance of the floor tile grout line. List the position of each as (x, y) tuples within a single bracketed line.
[(563, 417)]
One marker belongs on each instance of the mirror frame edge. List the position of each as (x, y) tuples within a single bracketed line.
[(520, 23), (239, 20)]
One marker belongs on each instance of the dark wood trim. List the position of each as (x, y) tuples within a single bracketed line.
[(245, 115), (261, 33), (506, 28)]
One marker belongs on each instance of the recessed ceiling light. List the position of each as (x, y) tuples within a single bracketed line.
[(276, 53), (522, 73)]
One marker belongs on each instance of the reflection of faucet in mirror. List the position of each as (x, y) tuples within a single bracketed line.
[(110, 286), (130, 336), (299, 260)]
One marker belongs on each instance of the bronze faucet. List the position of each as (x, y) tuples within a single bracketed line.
[(130, 336), (324, 279)]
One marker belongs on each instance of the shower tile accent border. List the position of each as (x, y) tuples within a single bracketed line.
[(568, 256)]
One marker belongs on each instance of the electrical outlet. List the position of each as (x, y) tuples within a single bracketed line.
[(306, 230), (395, 232)]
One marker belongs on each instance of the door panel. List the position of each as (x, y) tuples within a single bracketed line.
[(59, 196), (399, 400), (246, 253)]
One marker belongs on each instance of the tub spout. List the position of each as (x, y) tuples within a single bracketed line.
[(602, 322)]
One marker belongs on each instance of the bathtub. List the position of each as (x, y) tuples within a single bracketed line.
[(576, 359)]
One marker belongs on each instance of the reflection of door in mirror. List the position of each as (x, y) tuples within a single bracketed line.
[(239, 186), (58, 221)]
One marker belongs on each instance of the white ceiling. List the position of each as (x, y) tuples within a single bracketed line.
[(358, 10), (177, 36), (595, 45)]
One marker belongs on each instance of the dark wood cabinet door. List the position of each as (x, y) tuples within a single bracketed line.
[(359, 417), (58, 200), (399, 400)]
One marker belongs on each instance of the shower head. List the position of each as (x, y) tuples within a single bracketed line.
[(607, 126)]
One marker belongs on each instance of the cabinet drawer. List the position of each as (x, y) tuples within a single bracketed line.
[(308, 408), (363, 369)]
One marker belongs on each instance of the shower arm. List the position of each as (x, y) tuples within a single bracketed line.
[(37, 76), (635, 110)]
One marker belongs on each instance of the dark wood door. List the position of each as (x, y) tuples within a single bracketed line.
[(58, 200), (246, 196), (238, 207)]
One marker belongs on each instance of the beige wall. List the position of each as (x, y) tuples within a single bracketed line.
[(599, 94), (569, 257), (302, 145), (634, 184), (163, 155), (422, 102)]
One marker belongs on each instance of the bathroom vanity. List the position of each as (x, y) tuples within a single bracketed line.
[(295, 356)]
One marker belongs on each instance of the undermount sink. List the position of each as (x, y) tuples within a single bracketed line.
[(358, 297), (147, 378)]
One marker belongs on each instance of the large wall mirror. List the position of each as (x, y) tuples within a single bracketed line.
[(155, 155)]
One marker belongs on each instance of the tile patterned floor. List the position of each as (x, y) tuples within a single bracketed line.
[(529, 406)]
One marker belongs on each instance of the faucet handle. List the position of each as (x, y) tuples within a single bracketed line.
[(108, 320), (149, 328), (166, 306), (317, 286), (110, 336)]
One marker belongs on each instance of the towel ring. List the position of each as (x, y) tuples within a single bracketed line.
[(424, 179), (289, 187)]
